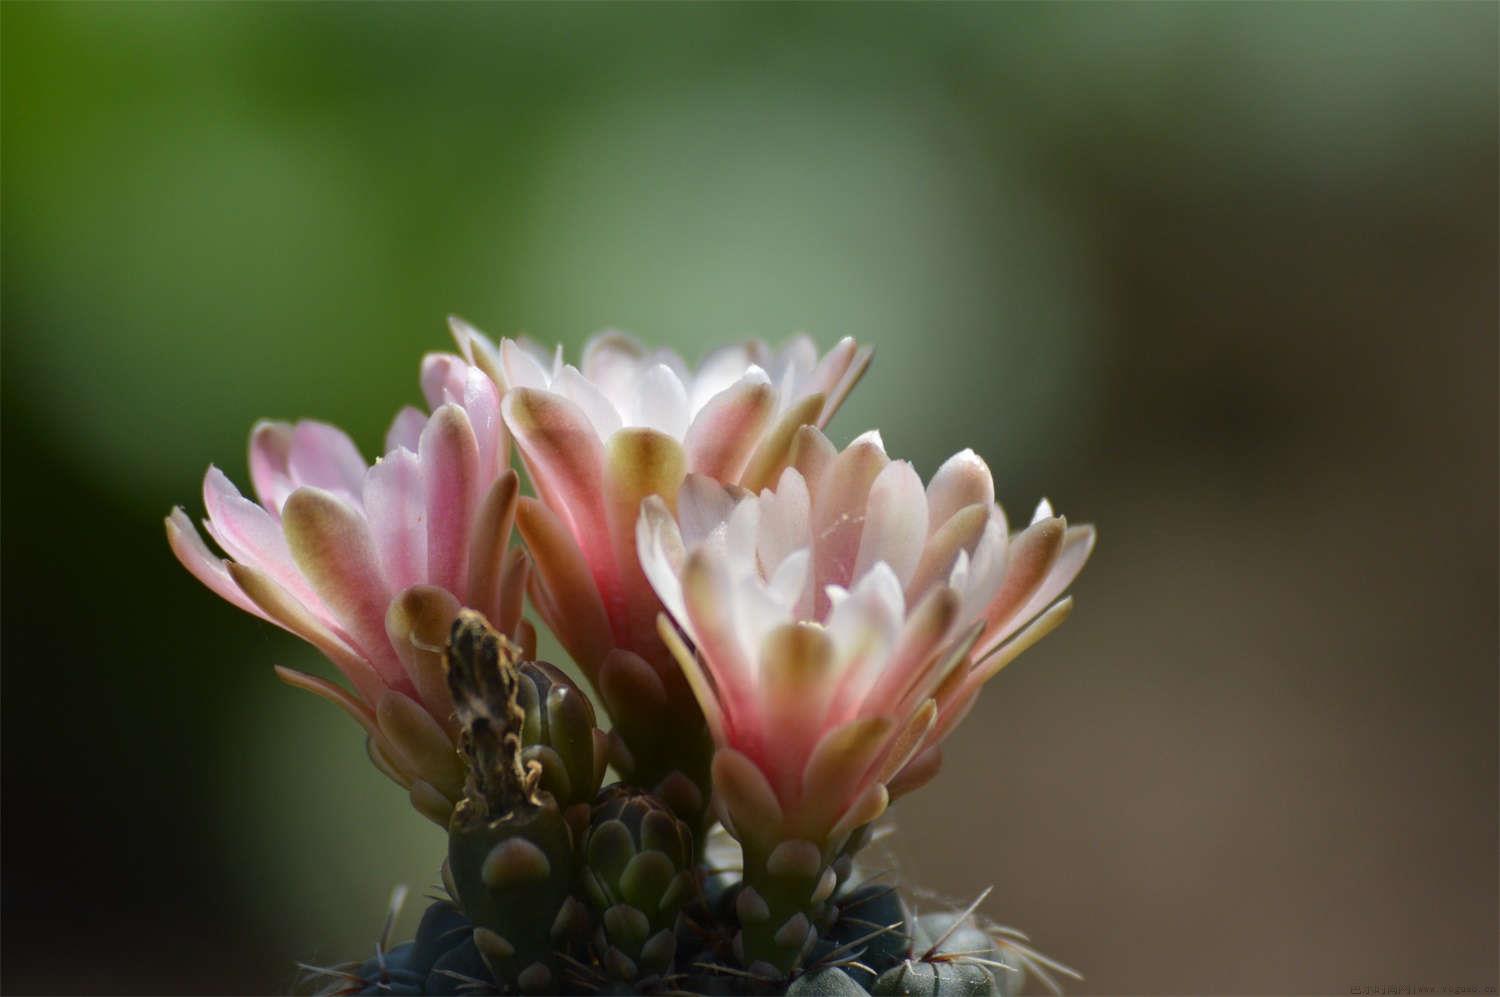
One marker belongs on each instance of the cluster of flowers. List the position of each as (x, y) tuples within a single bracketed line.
[(775, 624)]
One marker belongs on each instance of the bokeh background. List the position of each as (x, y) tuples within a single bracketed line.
[(1219, 278)]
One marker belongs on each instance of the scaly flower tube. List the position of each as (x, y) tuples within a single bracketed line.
[(371, 564), (598, 439), (841, 624)]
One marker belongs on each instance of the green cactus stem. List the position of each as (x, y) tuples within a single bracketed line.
[(510, 850), (637, 874), (661, 741), (560, 733), (786, 890)]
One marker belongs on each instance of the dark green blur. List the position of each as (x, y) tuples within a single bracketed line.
[(1220, 278)]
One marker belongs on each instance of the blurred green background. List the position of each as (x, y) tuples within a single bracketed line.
[(1220, 278)]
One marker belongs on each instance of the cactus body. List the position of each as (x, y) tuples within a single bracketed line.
[(937, 979), (560, 733), (784, 898), (552, 892), (637, 874), (830, 982), (513, 877), (392, 972), (461, 970), (871, 927), (510, 850)]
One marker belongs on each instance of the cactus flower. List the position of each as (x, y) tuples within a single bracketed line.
[(840, 625), (597, 439), (370, 564)]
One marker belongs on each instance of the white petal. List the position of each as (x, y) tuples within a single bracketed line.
[(895, 522), (866, 625), (522, 370), (756, 614), (739, 538), (785, 523), (599, 409), (868, 436), (963, 480), (611, 361), (790, 580), (660, 548), (719, 369), (661, 402), (986, 568), (703, 508)]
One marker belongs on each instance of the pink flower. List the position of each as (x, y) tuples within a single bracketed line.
[(370, 564), (844, 622), (598, 439)]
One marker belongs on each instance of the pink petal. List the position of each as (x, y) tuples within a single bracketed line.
[(844, 366), (638, 463), (278, 606), (660, 548), (865, 625), (796, 681), (907, 672), (406, 429), (417, 625), (726, 430), (572, 604), (698, 679), (832, 368), (839, 769), (708, 594), (1077, 545), (918, 772), (488, 543), (443, 376), (566, 461), (395, 502), (962, 481), (811, 454), (323, 456), (741, 788), (247, 533), (989, 663), (962, 532), (1033, 551), (510, 599), (476, 348), (193, 554), (481, 403), (909, 741), (450, 475), (332, 546), (270, 451), (773, 453), (839, 511)]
